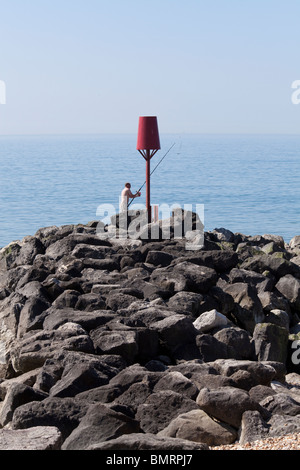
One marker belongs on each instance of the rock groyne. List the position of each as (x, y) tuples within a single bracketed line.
[(139, 344)]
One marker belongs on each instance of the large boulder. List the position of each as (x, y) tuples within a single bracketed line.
[(295, 242), (175, 331), (209, 320), (63, 413), (262, 373), (33, 439), (149, 441), (185, 276), (35, 348), (248, 309), (159, 258), (101, 423), (177, 382), (221, 261), (238, 339), (211, 349), (281, 425), (122, 342), (281, 404), (271, 342), (197, 426), (56, 317), (278, 266), (18, 395), (187, 303), (289, 287), (160, 408), (253, 427), (257, 280), (226, 404)]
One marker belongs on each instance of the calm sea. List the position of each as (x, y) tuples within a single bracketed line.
[(248, 184)]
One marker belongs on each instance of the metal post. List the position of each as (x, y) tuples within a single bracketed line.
[(148, 144), (148, 205)]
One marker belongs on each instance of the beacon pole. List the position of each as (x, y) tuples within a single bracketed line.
[(148, 203), (148, 144)]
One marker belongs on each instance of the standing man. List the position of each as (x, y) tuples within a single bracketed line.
[(125, 195)]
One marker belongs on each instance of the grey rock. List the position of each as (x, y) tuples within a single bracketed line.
[(18, 395), (67, 299), (271, 342), (122, 342), (148, 441), (35, 348), (177, 382), (281, 404), (40, 438), (211, 349), (186, 303), (159, 258), (199, 278), (91, 321), (210, 320), (253, 427), (243, 379), (197, 426), (211, 381), (77, 379), (289, 287), (223, 234), (262, 372), (63, 413), (278, 266), (104, 394), (67, 244), (160, 408), (29, 249), (174, 331), (134, 396), (227, 404), (25, 379), (225, 302), (32, 314), (260, 392), (118, 300), (278, 317), (281, 425), (238, 339), (295, 242), (248, 309), (185, 276), (273, 301), (90, 251), (221, 261), (88, 320), (98, 425), (90, 302), (49, 374), (259, 281), (134, 374)]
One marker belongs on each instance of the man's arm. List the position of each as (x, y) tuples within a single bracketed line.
[(133, 196)]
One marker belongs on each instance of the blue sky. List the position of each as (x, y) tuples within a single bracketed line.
[(201, 66)]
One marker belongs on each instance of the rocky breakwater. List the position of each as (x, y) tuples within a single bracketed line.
[(142, 344)]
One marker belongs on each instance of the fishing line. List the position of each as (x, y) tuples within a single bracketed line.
[(153, 171)]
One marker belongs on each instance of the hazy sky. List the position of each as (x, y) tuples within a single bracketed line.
[(95, 66)]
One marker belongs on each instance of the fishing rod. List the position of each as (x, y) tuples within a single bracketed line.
[(153, 171)]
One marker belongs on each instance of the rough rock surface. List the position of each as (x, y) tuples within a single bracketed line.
[(115, 343)]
